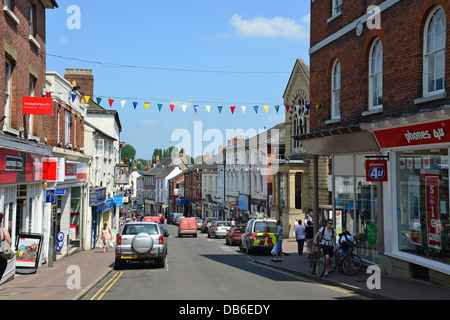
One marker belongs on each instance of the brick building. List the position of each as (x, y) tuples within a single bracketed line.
[(22, 136), (379, 77)]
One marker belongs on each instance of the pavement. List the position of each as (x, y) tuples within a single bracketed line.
[(72, 277)]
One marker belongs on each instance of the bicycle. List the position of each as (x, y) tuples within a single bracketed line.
[(317, 263), (350, 262), (313, 258)]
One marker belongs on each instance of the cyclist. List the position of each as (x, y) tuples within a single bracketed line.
[(343, 245), (328, 236)]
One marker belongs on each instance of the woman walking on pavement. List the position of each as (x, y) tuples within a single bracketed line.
[(106, 236), (4, 236)]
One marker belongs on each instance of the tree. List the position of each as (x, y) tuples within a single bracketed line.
[(128, 153)]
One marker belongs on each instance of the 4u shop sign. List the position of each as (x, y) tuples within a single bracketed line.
[(415, 135), (20, 166)]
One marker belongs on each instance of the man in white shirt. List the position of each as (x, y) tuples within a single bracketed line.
[(328, 235), (300, 236)]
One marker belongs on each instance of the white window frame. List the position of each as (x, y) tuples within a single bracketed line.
[(8, 80), (375, 73), (433, 53), (99, 147), (30, 11), (67, 124), (336, 91), (337, 7), (31, 118)]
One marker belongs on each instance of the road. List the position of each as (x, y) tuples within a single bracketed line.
[(207, 269)]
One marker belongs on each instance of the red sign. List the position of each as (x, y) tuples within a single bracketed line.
[(37, 105), (432, 203), (18, 166), (421, 134), (376, 170)]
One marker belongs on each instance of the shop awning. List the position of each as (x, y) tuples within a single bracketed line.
[(338, 141)]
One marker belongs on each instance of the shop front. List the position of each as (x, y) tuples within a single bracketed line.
[(21, 190), (97, 200), (356, 202), (417, 232)]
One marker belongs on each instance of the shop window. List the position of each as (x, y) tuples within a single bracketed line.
[(423, 204), (75, 209)]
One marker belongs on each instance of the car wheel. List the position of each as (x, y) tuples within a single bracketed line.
[(162, 262), (118, 264)]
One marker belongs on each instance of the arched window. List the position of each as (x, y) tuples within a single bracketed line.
[(434, 52), (336, 91), (376, 75)]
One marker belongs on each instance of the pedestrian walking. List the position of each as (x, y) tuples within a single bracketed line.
[(106, 236), (328, 236), (300, 237), (278, 247), (309, 238), (4, 236)]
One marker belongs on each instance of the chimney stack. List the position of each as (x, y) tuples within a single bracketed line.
[(82, 78)]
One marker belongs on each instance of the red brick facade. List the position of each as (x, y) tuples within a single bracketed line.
[(402, 37), (27, 55)]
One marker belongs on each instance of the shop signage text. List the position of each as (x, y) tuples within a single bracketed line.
[(421, 134), (376, 170), (97, 196), (37, 105)]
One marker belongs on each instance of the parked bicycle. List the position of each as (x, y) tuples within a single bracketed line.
[(347, 259)]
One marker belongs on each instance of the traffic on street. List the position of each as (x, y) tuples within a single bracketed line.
[(207, 268)]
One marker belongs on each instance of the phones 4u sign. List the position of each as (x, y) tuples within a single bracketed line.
[(376, 170)]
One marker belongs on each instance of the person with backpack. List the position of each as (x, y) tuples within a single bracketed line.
[(328, 239)]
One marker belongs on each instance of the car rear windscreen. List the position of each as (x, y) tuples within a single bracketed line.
[(265, 227), (138, 228)]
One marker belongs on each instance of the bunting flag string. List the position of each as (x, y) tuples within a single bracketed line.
[(208, 107)]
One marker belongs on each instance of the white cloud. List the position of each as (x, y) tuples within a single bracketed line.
[(148, 123), (277, 27)]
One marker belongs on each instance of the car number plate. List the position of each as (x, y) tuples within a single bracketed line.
[(224, 229), (129, 256), (260, 237)]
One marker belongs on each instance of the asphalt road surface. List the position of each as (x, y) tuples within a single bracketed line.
[(208, 269)]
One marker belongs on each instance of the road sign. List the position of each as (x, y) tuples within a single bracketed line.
[(60, 192)]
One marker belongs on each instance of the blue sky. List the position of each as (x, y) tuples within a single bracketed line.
[(200, 52)]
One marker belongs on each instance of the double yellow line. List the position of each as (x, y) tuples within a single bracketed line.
[(115, 278)]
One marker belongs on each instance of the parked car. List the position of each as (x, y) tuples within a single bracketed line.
[(141, 241), (172, 216), (206, 224), (259, 234), (234, 235), (199, 223), (188, 226), (218, 229), (161, 217), (151, 219)]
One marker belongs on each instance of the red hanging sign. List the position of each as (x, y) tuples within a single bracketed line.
[(376, 170), (432, 205), (37, 105)]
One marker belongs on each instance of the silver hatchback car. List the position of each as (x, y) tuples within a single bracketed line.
[(141, 241)]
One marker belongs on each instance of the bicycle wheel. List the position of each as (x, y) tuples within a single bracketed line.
[(312, 263), (333, 264), (321, 265), (352, 264)]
